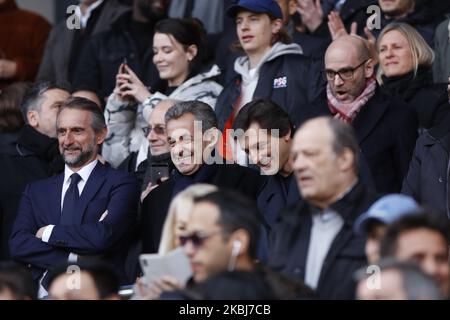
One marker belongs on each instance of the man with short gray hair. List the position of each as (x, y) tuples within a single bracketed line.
[(85, 212), (314, 240), (192, 135)]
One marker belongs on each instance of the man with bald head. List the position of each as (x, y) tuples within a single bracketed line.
[(314, 240), (385, 128), (155, 151)]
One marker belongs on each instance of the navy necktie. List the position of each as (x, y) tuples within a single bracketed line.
[(71, 198)]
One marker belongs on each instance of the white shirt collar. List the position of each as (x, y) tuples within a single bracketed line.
[(84, 18), (84, 172)]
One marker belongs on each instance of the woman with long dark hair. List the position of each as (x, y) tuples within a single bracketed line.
[(179, 56)]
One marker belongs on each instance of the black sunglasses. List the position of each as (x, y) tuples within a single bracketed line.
[(157, 129), (197, 239)]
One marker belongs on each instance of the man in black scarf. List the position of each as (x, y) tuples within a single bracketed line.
[(36, 155), (157, 157)]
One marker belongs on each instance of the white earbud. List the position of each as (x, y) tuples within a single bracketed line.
[(236, 247), (234, 254)]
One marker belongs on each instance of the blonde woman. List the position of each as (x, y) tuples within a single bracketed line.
[(174, 226), (175, 223), (405, 61)]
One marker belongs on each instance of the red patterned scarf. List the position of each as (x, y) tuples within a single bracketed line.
[(347, 112)]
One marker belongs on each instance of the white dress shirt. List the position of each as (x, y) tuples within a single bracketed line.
[(84, 173), (85, 17)]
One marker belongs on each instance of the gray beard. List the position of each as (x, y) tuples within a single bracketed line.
[(80, 159)]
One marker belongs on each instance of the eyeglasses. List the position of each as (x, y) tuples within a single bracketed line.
[(197, 239), (344, 74), (157, 129)]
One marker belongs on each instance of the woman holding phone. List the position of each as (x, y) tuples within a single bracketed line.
[(179, 54)]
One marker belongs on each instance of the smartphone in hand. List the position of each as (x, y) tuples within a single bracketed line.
[(124, 63), (157, 172)]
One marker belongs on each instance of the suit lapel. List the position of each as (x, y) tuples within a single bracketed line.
[(268, 192), (369, 117), (294, 192), (95, 181)]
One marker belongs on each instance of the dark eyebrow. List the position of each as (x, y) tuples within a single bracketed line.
[(76, 129)]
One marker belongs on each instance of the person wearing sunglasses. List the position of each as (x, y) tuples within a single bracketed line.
[(181, 59), (153, 151), (221, 234), (192, 136), (385, 127)]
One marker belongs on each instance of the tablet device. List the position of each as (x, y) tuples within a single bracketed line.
[(175, 264)]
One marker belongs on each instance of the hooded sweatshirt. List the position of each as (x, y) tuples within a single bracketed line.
[(250, 77)]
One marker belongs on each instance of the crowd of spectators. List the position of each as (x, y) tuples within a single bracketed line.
[(287, 149)]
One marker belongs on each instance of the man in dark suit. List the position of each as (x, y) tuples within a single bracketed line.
[(385, 127), (192, 134), (35, 154), (87, 211), (265, 133), (266, 138), (314, 240)]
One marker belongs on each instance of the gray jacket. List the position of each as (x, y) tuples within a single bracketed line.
[(55, 63), (441, 66), (428, 176)]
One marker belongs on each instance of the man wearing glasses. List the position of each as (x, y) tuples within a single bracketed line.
[(192, 135), (153, 153), (222, 233), (385, 128)]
